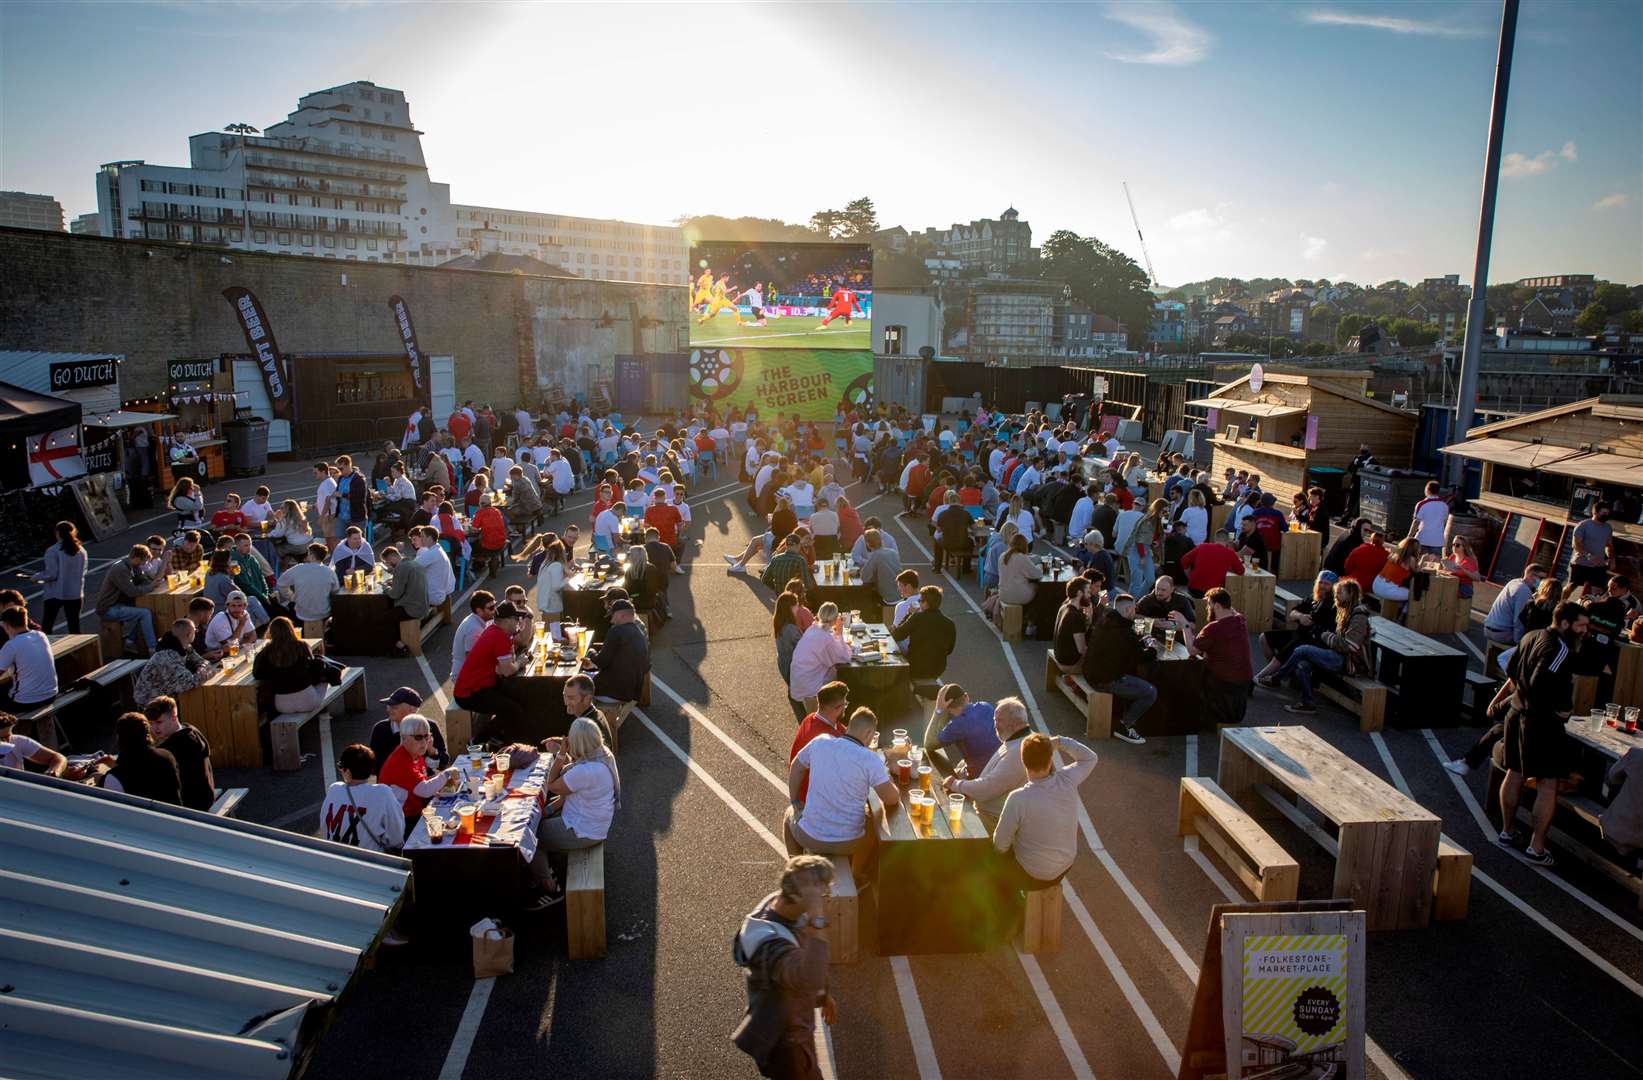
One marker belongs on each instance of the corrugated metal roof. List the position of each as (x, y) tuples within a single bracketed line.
[(146, 941)]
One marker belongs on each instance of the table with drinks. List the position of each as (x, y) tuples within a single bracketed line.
[(1050, 594), (471, 842), (1252, 594), (539, 685), (360, 620), (264, 543), (224, 707), (75, 656), (584, 592), (1178, 677), (876, 666), (170, 597), (840, 583), (935, 861)]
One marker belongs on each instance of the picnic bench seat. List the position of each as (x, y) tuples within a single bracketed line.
[(585, 903), (1259, 861), (228, 800), (1011, 620), (1095, 705), (1491, 658), (1283, 602), (1041, 921), (414, 633), (1480, 690), (1452, 885), (1359, 694), (111, 636), (1579, 835), (314, 630), (844, 914), (283, 730), (459, 725)]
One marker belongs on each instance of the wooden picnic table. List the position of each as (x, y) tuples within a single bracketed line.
[(169, 602), (872, 677), (847, 590), (1179, 679), (75, 656), (1611, 743), (584, 594), (934, 885), (1300, 554), (1252, 594), (1428, 676), (1051, 592), (362, 621), (1388, 843), (1433, 600), (540, 687), (224, 708)]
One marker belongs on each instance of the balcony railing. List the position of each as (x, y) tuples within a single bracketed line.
[(326, 187), (268, 161)]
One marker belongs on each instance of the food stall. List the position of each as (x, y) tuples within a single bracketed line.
[(1543, 470), (200, 396), (1283, 425), (339, 399)]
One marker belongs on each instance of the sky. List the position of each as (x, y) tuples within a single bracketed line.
[(1301, 140)]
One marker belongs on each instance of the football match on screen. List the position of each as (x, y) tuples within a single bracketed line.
[(781, 296)]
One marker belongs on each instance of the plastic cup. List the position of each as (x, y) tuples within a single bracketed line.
[(1612, 710), (955, 812), (500, 763), (1631, 717), (436, 830), (465, 815), (904, 771), (925, 776)]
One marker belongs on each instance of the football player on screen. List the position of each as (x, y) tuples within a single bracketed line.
[(843, 302)]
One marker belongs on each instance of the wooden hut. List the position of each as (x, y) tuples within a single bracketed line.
[(1543, 470), (1287, 422)]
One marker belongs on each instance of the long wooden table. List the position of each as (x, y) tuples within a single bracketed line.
[(1428, 676), (872, 678), (168, 602), (1300, 554), (846, 590), (1252, 594), (934, 884), (75, 656), (1434, 600), (1388, 843), (224, 708), (361, 620)]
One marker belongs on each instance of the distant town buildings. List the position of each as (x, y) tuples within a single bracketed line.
[(587, 247), (86, 225), (21, 210), (991, 245)]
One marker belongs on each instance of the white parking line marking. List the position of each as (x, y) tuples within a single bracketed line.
[(1058, 1020), (456, 1058)]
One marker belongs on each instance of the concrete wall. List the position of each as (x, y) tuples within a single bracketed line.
[(509, 335)]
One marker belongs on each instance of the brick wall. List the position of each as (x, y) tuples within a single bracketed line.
[(155, 302)]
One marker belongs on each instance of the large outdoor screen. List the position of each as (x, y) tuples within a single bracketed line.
[(781, 296)]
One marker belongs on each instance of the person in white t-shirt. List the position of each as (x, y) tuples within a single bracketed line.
[(259, 509), (588, 791), (359, 812), (527, 423), (27, 671), (830, 819), (482, 609), (429, 554), (325, 492), (1430, 519), (232, 623), (17, 749)]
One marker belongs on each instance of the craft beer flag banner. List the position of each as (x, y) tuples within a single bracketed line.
[(1295, 989), (259, 336), (813, 383), (407, 338)]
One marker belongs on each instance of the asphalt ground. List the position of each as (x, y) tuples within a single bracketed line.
[(1544, 976)]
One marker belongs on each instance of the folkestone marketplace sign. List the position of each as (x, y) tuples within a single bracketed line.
[(810, 382)]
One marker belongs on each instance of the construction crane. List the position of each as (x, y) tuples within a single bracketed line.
[(1152, 278)]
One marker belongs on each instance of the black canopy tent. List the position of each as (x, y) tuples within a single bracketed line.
[(24, 413)]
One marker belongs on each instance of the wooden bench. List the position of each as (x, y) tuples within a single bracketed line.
[(1358, 694), (1259, 861), (414, 633), (1491, 658), (314, 630), (228, 800), (585, 903), (1452, 884), (844, 914), (42, 722), (1585, 694), (111, 636), (1095, 705), (1582, 839), (1041, 922), (1480, 690), (283, 730), (459, 727), (1391, 609), (1011, 620), (1283, 602)]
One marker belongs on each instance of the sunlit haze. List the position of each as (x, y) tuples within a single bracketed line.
[(1313, 140)]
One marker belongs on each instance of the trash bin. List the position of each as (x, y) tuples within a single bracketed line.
[(247, 446), (1387, 497)]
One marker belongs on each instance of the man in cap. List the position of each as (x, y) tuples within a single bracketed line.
[(478, 685), (385, 734), (622, 663)]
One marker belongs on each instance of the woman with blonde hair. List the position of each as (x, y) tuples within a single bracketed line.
[(185, 499), (1138, 549), (587, 789), (1018, 575), (1392, 583), (291, 533)]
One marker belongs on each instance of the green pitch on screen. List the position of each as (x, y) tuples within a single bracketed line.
[(809, 382), (790, 332)]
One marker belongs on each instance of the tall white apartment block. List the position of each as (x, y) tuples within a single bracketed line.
[(587, 247), (20, 210), (341, 177)]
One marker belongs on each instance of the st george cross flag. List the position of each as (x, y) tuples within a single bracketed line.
[(55, 456)]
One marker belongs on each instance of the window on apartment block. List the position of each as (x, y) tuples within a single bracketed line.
[(283, 238), (307, 239)]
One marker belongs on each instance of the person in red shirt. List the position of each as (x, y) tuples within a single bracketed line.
[(1365, 561), (459, 425), (479, 684), (664, 517), (407, 767), (493, 536), (1228, 667), (229, 518), (831, 702), (1208, 564), (603, 500)]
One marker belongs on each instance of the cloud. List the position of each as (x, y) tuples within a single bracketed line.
[(1515, 164), (1392, 23), (1175, 40), (1612, 202), (1313, 248), (1194, 220)]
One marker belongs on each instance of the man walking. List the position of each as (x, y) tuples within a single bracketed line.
[(1542, 674), (783, 948)]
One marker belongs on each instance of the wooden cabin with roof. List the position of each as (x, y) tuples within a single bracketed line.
[(1288, 422), (1543, 471)]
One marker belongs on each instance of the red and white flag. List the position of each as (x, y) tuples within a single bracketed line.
[(55, 456)]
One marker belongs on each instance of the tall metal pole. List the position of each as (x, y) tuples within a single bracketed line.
[(1466, 400)]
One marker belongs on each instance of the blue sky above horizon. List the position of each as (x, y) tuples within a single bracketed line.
[(1339, 140)]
